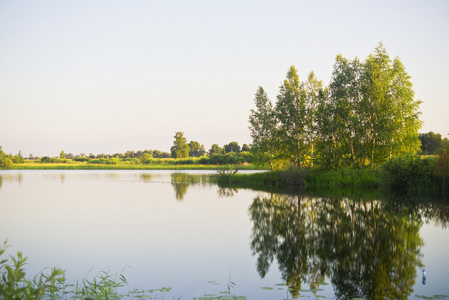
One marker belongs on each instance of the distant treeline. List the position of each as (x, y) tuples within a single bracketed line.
[(432, 143)]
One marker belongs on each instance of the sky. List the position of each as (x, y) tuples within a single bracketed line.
[(110, 76)]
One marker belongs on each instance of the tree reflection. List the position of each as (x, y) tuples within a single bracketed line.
[(364, 248), (180, 182)]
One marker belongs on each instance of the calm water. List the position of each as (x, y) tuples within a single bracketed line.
[(193, 237)]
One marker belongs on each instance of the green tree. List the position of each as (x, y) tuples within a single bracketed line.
[(160, 154), (313, 92), (232, 147), (263, 130), (5, 161), (18, 159), (215, 149), (62, 155), (291, 113), (339, 128), (389, 108), (196, 150), (371, 114), (180, 148), (246, 148), (144, 157), (430, 142)]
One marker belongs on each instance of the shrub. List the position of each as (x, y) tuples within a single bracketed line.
[(5, 162), (96, 161), (442, 169), (45, 159), (409, 172), (81, 159)]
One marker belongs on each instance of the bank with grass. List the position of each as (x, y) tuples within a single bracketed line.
[(409, 174)]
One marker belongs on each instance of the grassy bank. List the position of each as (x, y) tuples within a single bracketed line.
[(306, 179), (411, 174), (123, 166)]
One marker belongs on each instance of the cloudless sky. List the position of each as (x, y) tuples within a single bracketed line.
[(109, 76)]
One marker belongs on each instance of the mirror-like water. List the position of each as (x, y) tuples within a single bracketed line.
[(166, 230)]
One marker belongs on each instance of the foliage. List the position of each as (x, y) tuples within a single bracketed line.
[(246, 148), (160, 154), (292, 117), (14, 285), (442, 169), (45, 159), (6, 161), (231, 158), (81, 159), (231, 147), (432, 143), (263, 130), (180, 148), (196, 150), (18, 159), (366, 116), (215, 149), (409, 172)]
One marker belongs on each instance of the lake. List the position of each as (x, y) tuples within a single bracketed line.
[(168, 229)]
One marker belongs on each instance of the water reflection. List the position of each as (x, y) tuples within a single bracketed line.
[(146, 177), (181, 182), (226, 192), (11, 178), (366, 249)]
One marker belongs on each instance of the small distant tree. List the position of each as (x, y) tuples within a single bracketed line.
[(160, 154), (62, 155), (246, 148), (45, 159), (232, 147), (215, 149), (146, 156), (196, 150), (70, 156), (180, 148), (430, 142), (18, 159)]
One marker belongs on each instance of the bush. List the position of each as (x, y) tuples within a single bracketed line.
[(231, 158), (442, 169), (96, 161), (81, 159), (410, 172), (45, 159), (5, 162)]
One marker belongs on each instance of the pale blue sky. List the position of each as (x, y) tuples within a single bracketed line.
[(111, 76)]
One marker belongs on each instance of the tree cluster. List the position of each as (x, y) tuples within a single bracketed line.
[(433, 143), (182, 149), (6, 160), (365, 116)]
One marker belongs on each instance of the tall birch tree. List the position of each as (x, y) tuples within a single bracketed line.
[(263, 129)]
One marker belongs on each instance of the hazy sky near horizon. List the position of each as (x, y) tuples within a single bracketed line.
[(111, 76)]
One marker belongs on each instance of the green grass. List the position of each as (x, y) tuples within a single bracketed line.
[(163, 165), (309, 179)]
